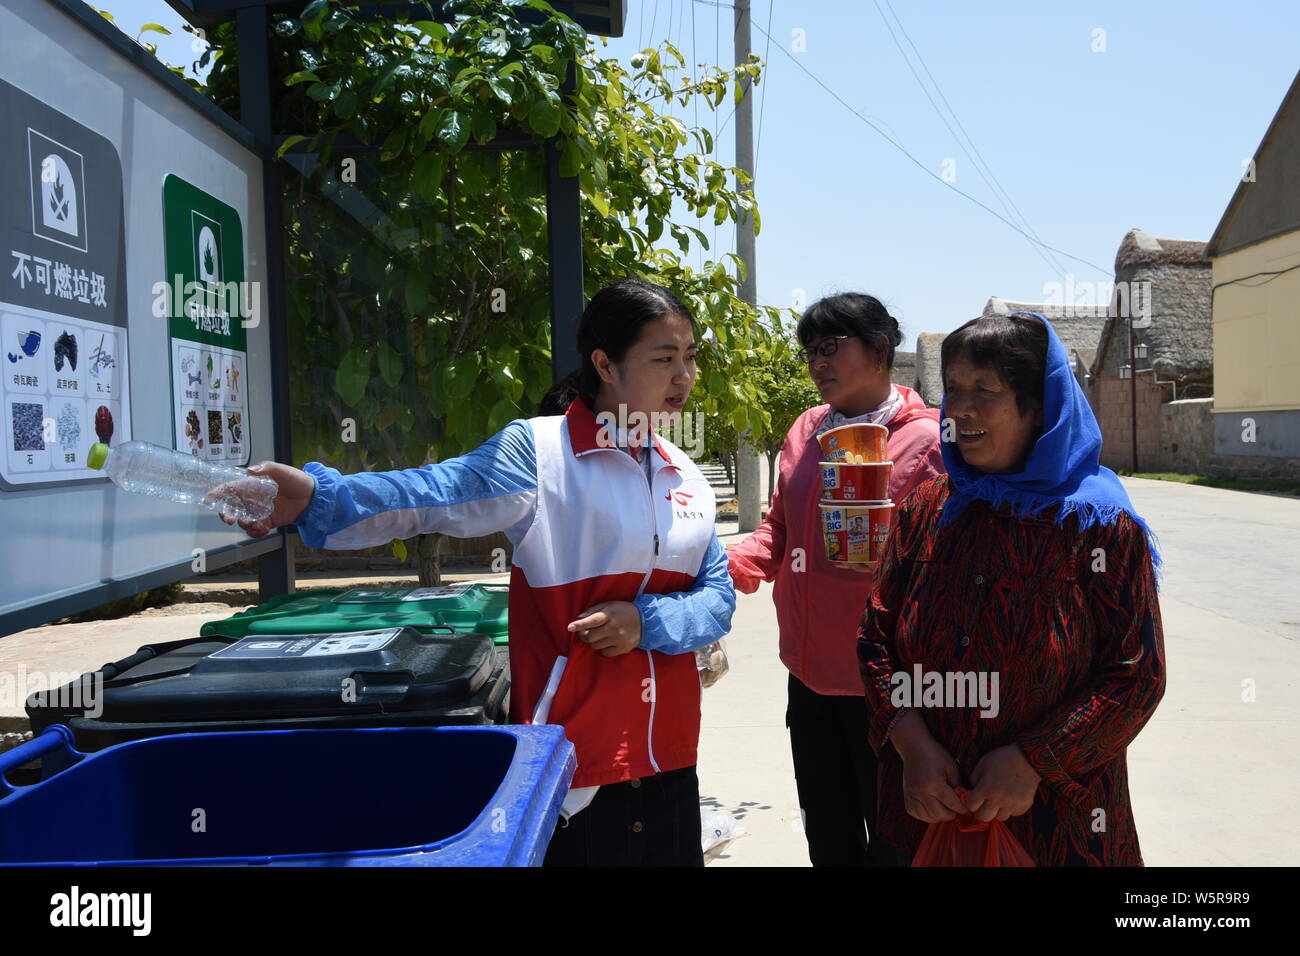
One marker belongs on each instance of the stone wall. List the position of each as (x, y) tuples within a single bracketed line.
[(1172, 436), (1180, 337), (904, 370), (1111, 400), (1188, 434)]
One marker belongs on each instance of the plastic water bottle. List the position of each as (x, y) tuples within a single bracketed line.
[(159, 472)]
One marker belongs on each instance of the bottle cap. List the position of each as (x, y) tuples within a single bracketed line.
[(98, 454)]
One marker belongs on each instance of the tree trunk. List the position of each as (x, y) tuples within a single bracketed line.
[(727, 464), (428, 548)]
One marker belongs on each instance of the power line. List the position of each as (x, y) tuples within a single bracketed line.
[(762, 104), (695, 100), (717, 33), (727, 120), (1051, 264), (735, 31), (921, 166), (733, 226), (1271, 276), (719, 130), (995, 185)]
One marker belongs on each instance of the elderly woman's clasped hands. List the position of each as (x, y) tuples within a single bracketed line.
[(1004, 782)]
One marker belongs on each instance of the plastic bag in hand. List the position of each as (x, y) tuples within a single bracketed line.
[(711, 662), (968, 841)]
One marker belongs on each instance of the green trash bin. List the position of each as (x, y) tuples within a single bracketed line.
[(480, 608)]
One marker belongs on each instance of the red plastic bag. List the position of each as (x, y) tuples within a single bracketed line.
[(968, 841)]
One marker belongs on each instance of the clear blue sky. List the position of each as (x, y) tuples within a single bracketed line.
[(1150, 133)]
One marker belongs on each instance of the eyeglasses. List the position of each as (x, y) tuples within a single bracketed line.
[(826, 349)]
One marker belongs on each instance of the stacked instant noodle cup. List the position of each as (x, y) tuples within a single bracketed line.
[(855, 505)]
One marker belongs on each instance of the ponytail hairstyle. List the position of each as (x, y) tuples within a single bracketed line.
[(612, 321), (560, 397), (852, 313)]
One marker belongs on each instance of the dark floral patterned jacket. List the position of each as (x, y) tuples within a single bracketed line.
[(1069, 623)]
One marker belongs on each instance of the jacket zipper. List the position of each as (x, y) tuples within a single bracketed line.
[(654, 690), (650, 730), (653, 524)]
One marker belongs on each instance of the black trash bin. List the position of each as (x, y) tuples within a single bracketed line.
[(384, 677)]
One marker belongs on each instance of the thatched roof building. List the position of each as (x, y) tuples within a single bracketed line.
[(929, 382), (1078, 326), (904, 370), (1167, 281)]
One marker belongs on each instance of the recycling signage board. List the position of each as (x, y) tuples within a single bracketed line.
[(133, 228), (63, 345), (208, 303)]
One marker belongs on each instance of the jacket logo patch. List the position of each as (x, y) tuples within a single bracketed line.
[(682, 498)]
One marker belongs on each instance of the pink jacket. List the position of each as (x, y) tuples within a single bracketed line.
[(818, 605)]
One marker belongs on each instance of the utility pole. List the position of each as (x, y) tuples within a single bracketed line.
[(747, 470), (1133, 391)]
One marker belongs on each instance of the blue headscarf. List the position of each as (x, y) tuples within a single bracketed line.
[(1064, 468)]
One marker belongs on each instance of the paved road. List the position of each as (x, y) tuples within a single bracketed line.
[(1227, 553)]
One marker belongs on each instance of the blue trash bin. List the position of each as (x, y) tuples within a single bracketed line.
[(384, 796)]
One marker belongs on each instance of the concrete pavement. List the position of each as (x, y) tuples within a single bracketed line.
[(744, 757), (1214, 775)]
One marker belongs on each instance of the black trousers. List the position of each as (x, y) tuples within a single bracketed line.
[(835, 771), (653, 821)]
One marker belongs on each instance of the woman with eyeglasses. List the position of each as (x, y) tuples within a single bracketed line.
[(848, 342)]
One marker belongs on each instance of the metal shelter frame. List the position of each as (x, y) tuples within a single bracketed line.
[(275, 552)]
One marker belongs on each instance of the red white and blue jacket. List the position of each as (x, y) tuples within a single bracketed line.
[(586, 527)]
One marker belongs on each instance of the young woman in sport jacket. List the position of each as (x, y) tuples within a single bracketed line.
[(617, 577)]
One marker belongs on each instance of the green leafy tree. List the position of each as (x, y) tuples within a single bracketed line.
[(417, 265), (789, 392), (720, 441)]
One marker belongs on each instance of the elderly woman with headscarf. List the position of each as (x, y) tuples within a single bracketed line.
[(1027, 569)]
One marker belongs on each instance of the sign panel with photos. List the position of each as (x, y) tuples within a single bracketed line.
[(208, 303), (62, 295), (133, 234)]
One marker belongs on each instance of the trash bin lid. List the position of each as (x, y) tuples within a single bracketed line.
[(482, 608), (300, 675)]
